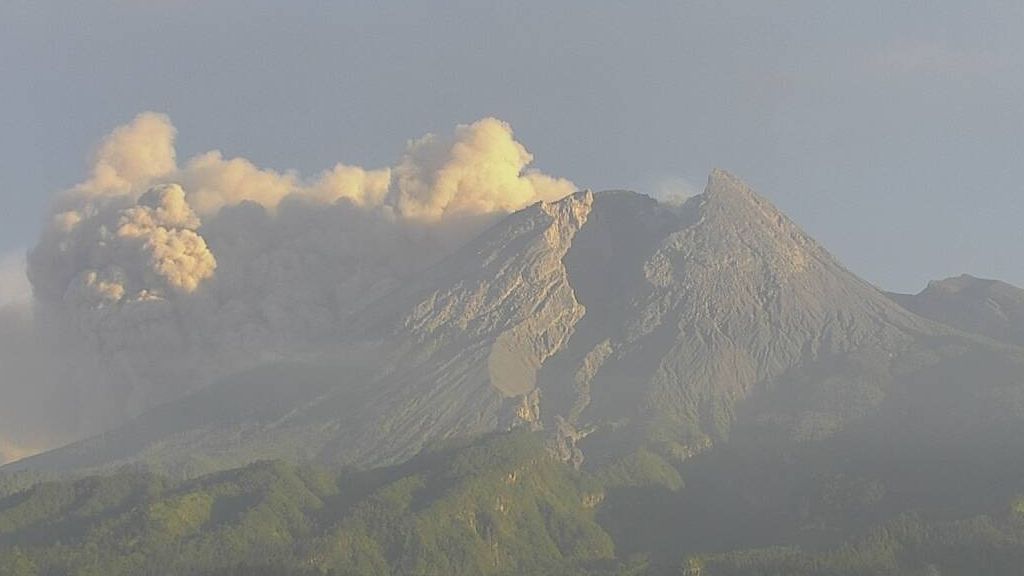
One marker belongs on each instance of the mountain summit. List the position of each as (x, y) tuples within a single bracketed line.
[(608, 320)]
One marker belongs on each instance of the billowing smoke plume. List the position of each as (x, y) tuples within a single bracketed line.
[(480, 173), (131, 156), (152, 277), (138, 204)]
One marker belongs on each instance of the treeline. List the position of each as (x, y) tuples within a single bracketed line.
[(499, 506), (907, 546)]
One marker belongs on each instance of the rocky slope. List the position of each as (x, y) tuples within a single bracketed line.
[(717, 297), (609, 320)]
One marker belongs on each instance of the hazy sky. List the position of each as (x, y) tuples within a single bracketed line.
[(892, 134)]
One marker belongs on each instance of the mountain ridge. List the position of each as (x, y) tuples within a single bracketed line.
[(982, 306), (607, 319)]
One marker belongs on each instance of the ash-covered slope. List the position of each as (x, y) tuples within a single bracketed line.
[(690, 312), (462, 344), (988, 307), (605, 316), (612, 308), (450, 354)]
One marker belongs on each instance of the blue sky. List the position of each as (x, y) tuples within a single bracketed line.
[(890, 133)]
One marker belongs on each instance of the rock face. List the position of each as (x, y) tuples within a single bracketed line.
[(466, 341), (987, 307), (609, 320), (689, 309), (507, 300), (523, 411), (619, 309)]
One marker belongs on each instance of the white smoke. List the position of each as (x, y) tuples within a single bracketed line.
[(151, 278), (132, 155), (671, 190), (481, 172)]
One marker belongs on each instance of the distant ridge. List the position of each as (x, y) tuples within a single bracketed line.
[(988, 307)]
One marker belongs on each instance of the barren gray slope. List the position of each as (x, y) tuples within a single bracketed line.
[(727, 295), (608, 314)]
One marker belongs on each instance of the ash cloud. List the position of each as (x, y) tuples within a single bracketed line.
[(481, 172), (154, 276)]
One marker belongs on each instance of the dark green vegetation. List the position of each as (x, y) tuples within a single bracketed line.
[(505, 505), (906, 546), (502, 506)]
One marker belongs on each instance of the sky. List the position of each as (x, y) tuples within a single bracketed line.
[(891, 133)]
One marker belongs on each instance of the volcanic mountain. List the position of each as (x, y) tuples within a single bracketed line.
[(611, 321), (988, 307)]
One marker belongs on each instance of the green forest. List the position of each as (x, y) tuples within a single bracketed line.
[(499, 505)]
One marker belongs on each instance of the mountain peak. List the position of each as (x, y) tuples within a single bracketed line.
[(723, 185), (730, 203), (572, 209)]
